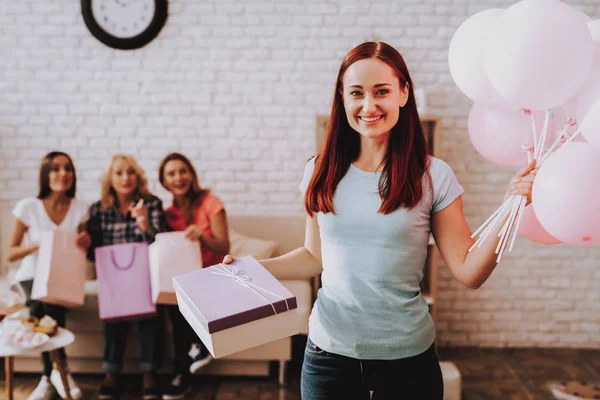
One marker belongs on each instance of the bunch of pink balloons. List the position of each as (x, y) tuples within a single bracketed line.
[(534, 57)]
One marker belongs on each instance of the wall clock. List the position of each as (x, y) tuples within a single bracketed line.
[(124, 24)]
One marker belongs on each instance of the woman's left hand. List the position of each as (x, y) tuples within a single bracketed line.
[(193, 232), (140, 213), (522, 183)]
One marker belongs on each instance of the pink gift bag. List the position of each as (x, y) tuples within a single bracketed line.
[(123, 277), (60, 270)]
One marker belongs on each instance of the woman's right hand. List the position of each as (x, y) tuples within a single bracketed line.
[(83, 241), (228, 259), (16, 249), (140, 213), (193, 232)]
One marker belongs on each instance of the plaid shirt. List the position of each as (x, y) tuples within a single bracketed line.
[(108, 226)]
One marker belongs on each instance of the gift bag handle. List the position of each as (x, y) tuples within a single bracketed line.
[(113, 258)]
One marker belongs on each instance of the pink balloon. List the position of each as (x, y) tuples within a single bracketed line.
[(520, 56), (584, 17), (532, 229), (499, 133), (590, 91), (566, 192)]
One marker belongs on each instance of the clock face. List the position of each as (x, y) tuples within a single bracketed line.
[(125, 24), (123, 18)]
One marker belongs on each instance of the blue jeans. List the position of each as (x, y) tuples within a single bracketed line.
[(115, 343), (328, 376), (183, 338)]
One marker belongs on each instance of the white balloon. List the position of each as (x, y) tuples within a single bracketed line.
[(539, 54), (590, 91), (590, 126), (465, 57)]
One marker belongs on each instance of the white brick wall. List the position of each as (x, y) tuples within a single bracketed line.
[(237, 85)]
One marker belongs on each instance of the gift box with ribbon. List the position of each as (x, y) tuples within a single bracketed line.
[(233, 307)]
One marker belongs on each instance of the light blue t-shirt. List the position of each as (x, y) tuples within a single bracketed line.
[(370, 305)]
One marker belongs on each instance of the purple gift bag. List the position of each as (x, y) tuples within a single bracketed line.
[(123, 278)]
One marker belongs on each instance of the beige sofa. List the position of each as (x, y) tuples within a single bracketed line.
[(85, 354), (288, 232)]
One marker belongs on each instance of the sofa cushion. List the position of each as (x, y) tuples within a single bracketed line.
[(242, 245)]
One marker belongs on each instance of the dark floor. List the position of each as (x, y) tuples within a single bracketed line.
[(507, 374)]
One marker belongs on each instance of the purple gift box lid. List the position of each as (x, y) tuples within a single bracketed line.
[(227, 295)]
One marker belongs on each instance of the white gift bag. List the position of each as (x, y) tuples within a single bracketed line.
[(171, 254)]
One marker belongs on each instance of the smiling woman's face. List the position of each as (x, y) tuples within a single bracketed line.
[(372, 97), (177, 177), (60, 178)]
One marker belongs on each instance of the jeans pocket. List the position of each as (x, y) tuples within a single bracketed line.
[(313, 349)]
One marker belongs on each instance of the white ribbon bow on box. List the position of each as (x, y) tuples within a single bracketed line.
[(240, 277)]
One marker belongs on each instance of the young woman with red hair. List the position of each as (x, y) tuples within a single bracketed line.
[(372, 198)]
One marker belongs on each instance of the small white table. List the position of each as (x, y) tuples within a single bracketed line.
[(62, 339)]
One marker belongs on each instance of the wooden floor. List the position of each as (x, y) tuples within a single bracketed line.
[(205, 388), (515, 374), (507, 374)]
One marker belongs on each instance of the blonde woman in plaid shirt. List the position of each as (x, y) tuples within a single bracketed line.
[(127, 213)]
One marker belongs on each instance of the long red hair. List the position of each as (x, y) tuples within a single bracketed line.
[(406, 159)]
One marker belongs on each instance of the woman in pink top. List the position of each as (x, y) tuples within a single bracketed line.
[(202, 216)]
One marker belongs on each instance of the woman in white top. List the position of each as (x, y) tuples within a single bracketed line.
[(54, 208)]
